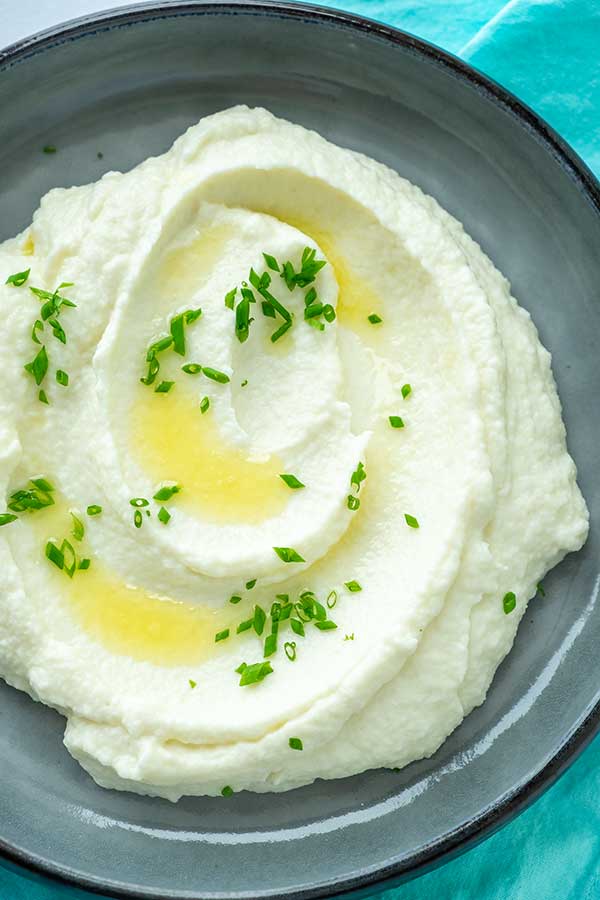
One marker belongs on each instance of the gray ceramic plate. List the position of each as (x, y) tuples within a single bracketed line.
[(124, 85)]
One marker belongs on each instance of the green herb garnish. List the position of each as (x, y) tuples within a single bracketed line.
[(540, 589), (192, 368), (49, 148), (6, 518), (235, 598), (292, 481), (259, 619), (204, 405), (215, 375), (165, 492), (94, 510), (406, 390), (353, 586), (230, 298), (221, 635), (411, 521), (396, 422), (78, 529), (509, 602), (358, 476), (250, 584), (271, 262), (43, 398), (18, 279), (290, 650), (164, 515), (374, 319), (62, 377), (254, 673), (353, 502), (38, 366), (227, 791), (192, 683), (164, 387), (139, 502), (296, 743), (288, 554)]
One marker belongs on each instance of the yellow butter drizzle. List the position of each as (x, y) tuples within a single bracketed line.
[(172, 440)]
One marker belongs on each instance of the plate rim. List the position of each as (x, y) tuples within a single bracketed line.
[(499, 813)]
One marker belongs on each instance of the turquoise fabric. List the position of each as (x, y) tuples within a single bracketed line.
[(548, 53)]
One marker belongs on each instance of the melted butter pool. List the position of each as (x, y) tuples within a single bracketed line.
[(173, 441)]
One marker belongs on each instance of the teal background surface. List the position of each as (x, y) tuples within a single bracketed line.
[(548, 53)]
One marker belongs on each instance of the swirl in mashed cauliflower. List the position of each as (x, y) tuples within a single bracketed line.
[(259, 303)]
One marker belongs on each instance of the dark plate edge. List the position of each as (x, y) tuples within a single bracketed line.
[(470, 833)]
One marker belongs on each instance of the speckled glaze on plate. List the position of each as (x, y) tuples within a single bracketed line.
[(108, 91)]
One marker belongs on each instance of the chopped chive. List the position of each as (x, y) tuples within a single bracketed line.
[(221, 635), (349, 637), (84, 564), (358, 476), (38, 325), (540, 589), (292, 481), (139, 502), (43, 398), (244, 382), (315, 309), (242, 320), (509, 602), (406, 390), (297, 627), (353, 502), (227, 791), (288, 554), (353, 586), (42, 484), (396, 422), (158, 346), (49, 148), (192, 368), (230, 298), (411, 521), (295, 743), (374, 319), (54, 554), (290, 649), (164, 387), (235, 598), (331, 599), (18, 278), (310, 297), (38, 366), (281, 331), (326, 625), (6, 518), (271, 262), (250, 584), (270, 645), (94, 510), (254, 673), (137, 518), (191, 315), (258, 622), (57, 330), (329, 312), (78, 529), (69, 558), (215, 375), (267, 310), (164, 493), (192, 683), (204, 404), (244, 626), (164, 515), (62, 377)]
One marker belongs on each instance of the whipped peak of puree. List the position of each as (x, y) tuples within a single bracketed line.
[(282, 463)]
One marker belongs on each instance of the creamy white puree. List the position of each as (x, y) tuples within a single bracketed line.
[(481, 463)]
